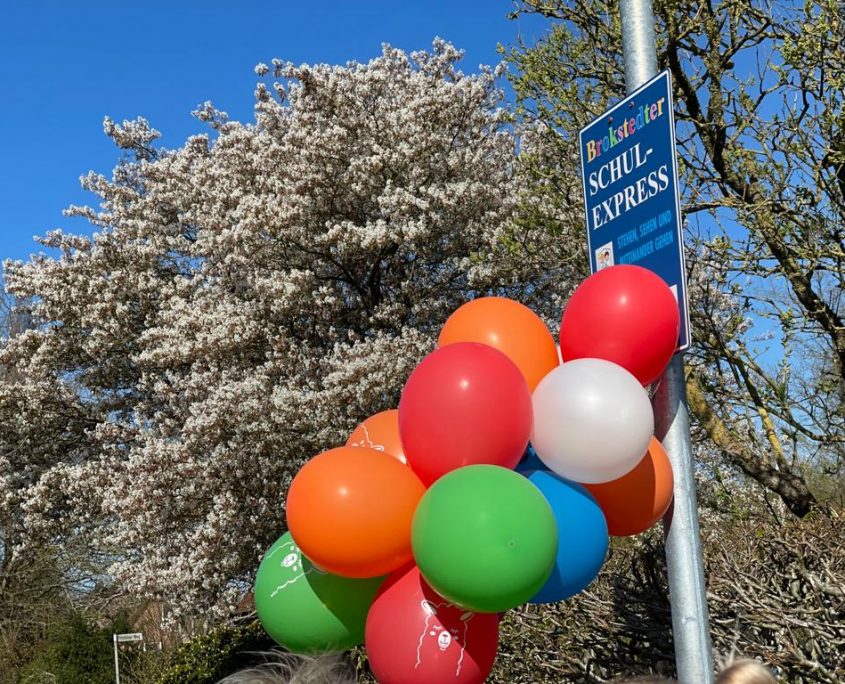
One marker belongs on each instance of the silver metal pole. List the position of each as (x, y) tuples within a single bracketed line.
[(638, 47), (685, 566), (687, 592), (116, 664)]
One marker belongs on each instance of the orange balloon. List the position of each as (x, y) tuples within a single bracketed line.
[(350, 510), (380, 432), (638, 499), (511, 327)]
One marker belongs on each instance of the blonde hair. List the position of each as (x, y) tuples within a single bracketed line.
[(289, 668), (745, 672)]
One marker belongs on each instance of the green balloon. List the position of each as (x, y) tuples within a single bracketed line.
[(308, 610), (485, 538)]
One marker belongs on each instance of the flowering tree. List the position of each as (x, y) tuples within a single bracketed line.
[(246, 300), (760, 112)]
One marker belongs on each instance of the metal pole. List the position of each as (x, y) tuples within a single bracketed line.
[(638, 47), (116, 665), (687, 592)]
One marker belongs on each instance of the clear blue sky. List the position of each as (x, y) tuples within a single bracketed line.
[(65, 65)]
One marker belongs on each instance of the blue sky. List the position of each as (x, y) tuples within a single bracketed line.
[(66, 65)]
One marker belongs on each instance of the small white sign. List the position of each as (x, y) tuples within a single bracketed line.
[(134, 636)]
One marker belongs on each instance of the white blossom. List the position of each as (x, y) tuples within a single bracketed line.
[(246, 300)]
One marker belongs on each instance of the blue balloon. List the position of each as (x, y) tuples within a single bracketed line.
[(582, 536), (530, 462)]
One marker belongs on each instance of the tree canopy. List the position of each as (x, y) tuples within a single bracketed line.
[(759, 106), (246, 299)]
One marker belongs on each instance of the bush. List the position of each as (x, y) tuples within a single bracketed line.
[(774, 592), (75, 652), (209, 657)]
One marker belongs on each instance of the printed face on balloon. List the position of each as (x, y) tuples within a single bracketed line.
[(436, 638), (364, 440), (381, 433), (415, 636), (293, 564)]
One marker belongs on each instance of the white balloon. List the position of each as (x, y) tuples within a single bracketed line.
[(592, 421)]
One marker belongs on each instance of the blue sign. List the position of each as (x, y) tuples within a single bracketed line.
[(630, 177)]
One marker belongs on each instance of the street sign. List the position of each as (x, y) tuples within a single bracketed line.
[(630, 176), (120, 639), (134, 636)]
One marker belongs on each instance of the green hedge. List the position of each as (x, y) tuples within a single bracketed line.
[(75, 652), (209, 657)]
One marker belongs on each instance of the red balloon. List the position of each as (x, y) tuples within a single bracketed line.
[(414, 636), (625, 314), (464, 404)]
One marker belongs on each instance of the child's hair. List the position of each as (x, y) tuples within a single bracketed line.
[(735, 672), (288, 668), (745, 672)]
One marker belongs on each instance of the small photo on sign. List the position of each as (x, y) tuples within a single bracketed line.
[(604, 256)]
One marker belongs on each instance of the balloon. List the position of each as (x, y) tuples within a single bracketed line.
[(581, 537), (512, 328), (625, 314), (306, 609), (350, 510), (592, 421), (464, 403), (530, 462), (380, 432), (640, 498), (415, 636), (485, 538)]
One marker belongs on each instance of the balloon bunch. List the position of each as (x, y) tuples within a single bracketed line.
[(435, 519)]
